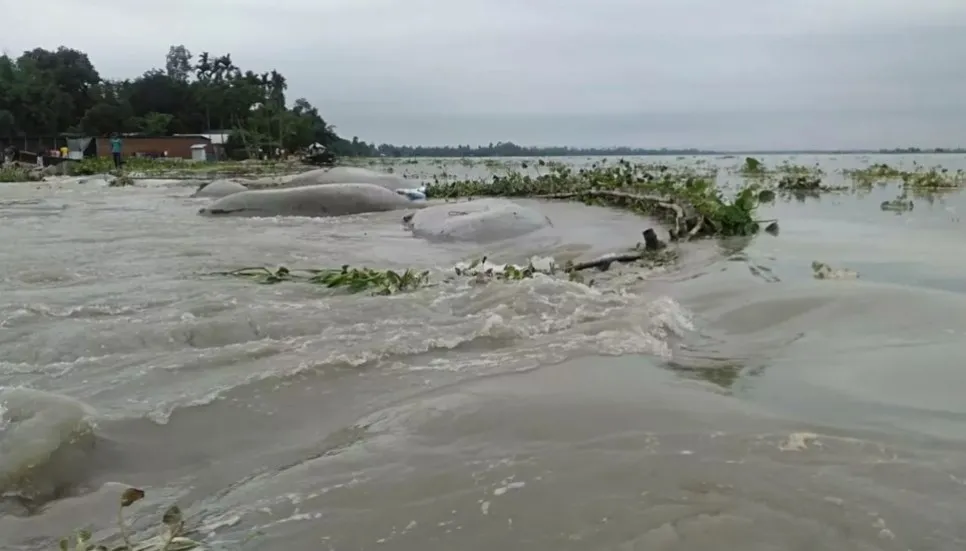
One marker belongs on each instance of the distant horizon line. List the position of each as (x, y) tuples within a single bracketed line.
[(523, 150)]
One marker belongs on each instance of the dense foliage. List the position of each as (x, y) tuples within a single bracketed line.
[(47, 93)]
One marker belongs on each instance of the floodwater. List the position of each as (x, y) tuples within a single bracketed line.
[(729, 402)]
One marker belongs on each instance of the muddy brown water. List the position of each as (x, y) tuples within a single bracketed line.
[(732, 402)]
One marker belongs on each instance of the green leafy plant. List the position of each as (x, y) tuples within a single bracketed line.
[(752, 166)]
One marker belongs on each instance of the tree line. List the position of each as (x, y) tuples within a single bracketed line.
[(47, 93), (55, 93)]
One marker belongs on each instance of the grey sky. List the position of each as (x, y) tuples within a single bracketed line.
[(701, 73)]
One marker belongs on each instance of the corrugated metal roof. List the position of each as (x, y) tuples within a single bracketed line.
[(216, 138)]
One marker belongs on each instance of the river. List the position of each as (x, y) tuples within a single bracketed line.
[(731, 401)]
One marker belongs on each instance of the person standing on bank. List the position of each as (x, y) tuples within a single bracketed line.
[(116, 149)]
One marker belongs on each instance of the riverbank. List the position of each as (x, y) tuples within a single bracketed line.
[(163, 169)]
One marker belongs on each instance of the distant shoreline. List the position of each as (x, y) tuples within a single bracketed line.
[(679, 153)]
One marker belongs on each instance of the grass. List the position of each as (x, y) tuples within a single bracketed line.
[(15, 173), (140, 167), (174, 168)]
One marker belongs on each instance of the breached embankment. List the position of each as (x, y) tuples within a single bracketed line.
[(480, 221), (311, 201)]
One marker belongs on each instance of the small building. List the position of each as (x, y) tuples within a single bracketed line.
[(199, 152), (218, 140), (177, 147)]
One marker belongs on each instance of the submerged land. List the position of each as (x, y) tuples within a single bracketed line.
[(298, 280), (692, 197)]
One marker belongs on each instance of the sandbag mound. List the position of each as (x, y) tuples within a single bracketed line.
[(45, 439), (479, 221), (344, 174), (315, 201), (219, 188)]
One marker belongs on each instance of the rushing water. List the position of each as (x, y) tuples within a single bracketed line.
[(732, 402)]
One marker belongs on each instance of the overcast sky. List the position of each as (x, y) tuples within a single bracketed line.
[(652, 73)]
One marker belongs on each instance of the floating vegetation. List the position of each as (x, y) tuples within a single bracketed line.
[(688, 199), (805, 185), (792, 169), (482, 268), (766, 196), (820, 270), (754, 168), (874, 174), (800, 182), (918, 178), (353, 280), (934, 179), (121, 180), (650, 253), (900, 204), (169, 538)]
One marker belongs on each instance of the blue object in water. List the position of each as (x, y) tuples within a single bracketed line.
[(413, 194)]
